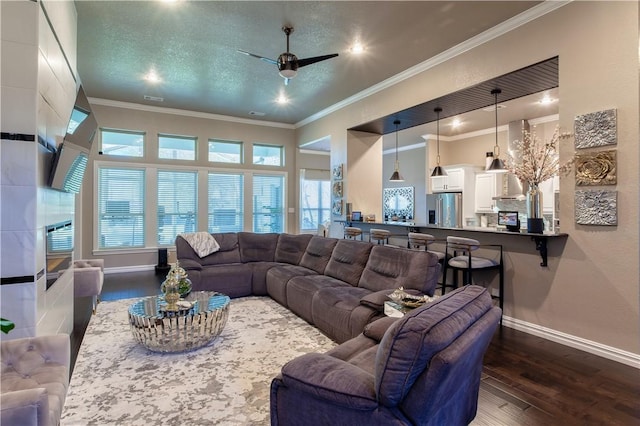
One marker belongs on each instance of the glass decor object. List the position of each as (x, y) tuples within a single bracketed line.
[(177, 276)]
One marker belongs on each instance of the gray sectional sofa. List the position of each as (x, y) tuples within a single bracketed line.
[(337, 285)]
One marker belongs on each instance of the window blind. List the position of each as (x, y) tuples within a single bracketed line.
[(177, 204), (226, 202), (268, 203)]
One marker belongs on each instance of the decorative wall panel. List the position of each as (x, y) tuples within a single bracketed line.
[(596, 207), (596, 129), (596, 168)]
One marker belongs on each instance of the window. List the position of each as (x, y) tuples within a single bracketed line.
[(268, 155), (268, 203), (315, 198), (121, 208), (122, 143), (176, 147), (225, 151), (226, 201), (177, 204)]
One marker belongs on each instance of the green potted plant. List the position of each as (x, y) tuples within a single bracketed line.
[(6, 326)]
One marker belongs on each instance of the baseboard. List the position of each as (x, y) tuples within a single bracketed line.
[(589, 346), (124, 269)]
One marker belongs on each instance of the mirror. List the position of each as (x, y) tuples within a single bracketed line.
[(398, 202)]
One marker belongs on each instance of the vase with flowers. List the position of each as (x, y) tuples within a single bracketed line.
[(533, 162)]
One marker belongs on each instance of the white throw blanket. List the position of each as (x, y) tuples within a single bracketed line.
[(202, 243)]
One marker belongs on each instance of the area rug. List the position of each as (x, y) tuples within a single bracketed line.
[(116, 381)]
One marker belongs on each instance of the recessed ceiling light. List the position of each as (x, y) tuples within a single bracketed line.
[(282, 99), (357, 48), (152, 77), (456, 122), (546, 100)]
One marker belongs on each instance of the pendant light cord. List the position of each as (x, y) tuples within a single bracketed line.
[(496, 149)]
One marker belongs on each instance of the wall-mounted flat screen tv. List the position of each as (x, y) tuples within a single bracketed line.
[(72, 155)]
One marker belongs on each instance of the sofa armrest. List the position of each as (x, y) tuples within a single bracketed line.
[(24, 407), (375, 330), (190, 264), (89, 263), (332, 380), (376, 299)]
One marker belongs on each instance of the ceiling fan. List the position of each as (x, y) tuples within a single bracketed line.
[(287, 62)]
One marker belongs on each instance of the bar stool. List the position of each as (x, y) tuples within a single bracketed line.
[(418, 240), (351, 232), (380, 236), (460, 258)]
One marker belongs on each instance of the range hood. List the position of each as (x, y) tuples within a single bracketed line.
[(512, 187)]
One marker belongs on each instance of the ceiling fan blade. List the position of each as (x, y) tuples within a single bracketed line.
[(309, 61), (262, 58)]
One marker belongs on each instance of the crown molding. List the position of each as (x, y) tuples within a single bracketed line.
[(511, 24), (187, 113)]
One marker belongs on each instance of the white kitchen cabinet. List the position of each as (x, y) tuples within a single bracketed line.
[(547, 188), (458, 178), (488, 185)]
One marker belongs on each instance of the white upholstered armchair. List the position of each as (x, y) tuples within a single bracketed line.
[(34, 380), (88, 277)]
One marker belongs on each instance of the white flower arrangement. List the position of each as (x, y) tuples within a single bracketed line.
[(537, 161)]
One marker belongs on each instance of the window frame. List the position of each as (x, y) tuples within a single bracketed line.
[(267, 145), (225, 142), (194, 139), (141, 133)]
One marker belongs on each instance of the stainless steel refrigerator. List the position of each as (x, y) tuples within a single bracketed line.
[(444, 209)]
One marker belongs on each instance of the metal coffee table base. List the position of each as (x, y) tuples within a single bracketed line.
[(186, 330)]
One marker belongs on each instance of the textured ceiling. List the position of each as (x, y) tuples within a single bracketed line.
[(192, 47)]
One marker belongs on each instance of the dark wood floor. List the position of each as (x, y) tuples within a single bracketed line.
[(526, 380)]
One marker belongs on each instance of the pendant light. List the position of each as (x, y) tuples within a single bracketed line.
[(396, 177), (497, 165), (438, 171)]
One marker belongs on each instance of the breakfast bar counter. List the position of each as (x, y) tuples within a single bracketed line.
[(401, 230)]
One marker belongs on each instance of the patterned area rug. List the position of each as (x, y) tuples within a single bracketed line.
[(119, 382)]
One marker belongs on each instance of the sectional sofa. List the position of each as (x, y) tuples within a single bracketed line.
[(337, 285)]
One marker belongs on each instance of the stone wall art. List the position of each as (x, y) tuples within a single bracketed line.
[(337, 207), (596, 168), (596, 129), (596, 208)]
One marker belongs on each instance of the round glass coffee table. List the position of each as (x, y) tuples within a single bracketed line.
[(201, 317)]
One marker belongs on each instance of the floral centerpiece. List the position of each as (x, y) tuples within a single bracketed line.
[(535, 161)]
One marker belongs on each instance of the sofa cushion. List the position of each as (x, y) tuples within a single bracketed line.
[(257, 247), (300, 291), (290, 248), (278, 277), (392, 267), (338, 313), (409, 344), (227, 253), (318, 253), (233, 279), (348, 260)]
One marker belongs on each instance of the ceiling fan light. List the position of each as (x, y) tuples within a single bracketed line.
[(288, 73), (497, 166), (438, 171)]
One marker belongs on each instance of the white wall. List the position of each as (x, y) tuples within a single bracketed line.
[(38, 91)]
